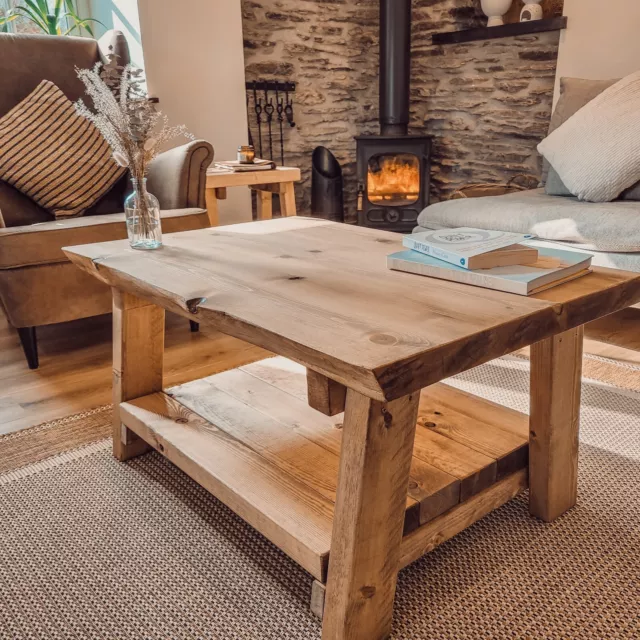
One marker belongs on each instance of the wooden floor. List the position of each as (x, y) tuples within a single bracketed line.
[(75, 363), (75, 367)]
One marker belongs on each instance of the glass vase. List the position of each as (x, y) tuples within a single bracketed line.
[(142, 211)]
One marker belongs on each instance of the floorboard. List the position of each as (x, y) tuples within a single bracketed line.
[(75, 367), (75, 362)]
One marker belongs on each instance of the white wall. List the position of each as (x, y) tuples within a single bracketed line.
[(194, 62), (601, 41)]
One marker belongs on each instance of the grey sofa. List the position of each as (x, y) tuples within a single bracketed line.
[(38, 285)]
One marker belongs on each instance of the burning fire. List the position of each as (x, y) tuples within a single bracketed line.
[(393, 179)]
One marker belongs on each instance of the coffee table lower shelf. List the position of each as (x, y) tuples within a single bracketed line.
[(249, 437)]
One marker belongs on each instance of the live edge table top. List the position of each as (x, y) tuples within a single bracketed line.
[(320, 293)]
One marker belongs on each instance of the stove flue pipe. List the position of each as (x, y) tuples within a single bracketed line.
[(395, 66)]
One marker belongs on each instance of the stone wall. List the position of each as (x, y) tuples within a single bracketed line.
[(487, 103)]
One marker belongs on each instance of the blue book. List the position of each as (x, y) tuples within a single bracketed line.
[(554, 267)]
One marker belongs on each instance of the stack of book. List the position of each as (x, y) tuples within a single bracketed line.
[(491, 259), (243, 167)]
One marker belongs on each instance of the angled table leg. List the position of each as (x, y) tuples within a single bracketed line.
[(211, 197), (138, 349), (287, 199), (556, 374), (264, 201), (375, 459)]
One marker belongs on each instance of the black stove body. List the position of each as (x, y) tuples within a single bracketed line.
[(393, 169)]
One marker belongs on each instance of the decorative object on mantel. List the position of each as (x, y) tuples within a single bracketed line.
[(531, 11), (135, 132), (494, 10)]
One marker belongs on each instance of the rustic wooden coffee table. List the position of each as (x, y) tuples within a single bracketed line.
[(410, 468)]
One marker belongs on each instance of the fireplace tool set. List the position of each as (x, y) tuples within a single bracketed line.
[(272, 106)]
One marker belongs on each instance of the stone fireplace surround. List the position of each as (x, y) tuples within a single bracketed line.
[(486, 103)]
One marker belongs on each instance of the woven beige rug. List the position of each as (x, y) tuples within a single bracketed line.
[(92, 548)]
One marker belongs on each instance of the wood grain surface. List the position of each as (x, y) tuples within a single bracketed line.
[(320, 293), (257, 418)]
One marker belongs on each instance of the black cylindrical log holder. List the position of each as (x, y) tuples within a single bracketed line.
[(327, 200), (395, 66)]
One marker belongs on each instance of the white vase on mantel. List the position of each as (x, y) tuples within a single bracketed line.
[(531, 11), (494, 10)]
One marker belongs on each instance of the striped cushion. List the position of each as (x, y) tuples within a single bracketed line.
[(54, 155)]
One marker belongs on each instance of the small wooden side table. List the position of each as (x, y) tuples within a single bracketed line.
[(280, 180)]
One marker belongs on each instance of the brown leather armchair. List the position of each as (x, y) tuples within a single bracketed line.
[(38, 285)]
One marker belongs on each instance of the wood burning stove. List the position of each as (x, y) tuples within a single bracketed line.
[(393, 181), (393, 168)]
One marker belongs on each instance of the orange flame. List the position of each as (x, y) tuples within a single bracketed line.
[(394, 179)]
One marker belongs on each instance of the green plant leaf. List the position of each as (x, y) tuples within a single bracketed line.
[(43, 7), (31, 15), (57, 9), (52, 25), (81, 23), (10, 17), (35, 13)]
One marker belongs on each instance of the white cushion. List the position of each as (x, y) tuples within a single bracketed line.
[(596, 152)]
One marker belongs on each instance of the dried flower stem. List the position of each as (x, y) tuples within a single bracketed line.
[(130, 124)]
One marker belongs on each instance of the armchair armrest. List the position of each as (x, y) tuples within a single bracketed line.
[(178, 177)]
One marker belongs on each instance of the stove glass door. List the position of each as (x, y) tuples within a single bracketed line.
[(393, 179)]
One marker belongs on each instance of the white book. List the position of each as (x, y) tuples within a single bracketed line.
[(457, 246), (554, 267)]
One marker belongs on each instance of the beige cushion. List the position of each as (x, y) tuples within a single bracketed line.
[(54, 155), (575, 93), (595, 152), (42, 243)]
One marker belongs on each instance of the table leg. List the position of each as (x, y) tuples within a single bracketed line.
[(212, 207), (138, 349), (375, 459), (556, 373), (288, 199), (265, 204)]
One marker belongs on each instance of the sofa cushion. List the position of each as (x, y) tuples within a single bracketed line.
[(575, 93), (595, 151), (42, 243), (611, 226), (54, 155), (16, 209)]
